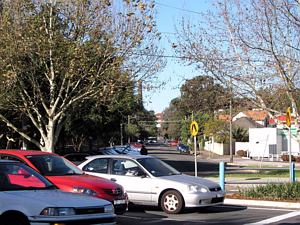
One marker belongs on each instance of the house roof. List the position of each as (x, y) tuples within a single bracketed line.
[(246, 123), (224, 117), (256, 115)]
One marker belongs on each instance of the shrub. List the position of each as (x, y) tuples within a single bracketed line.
[(297, 159), (286, 158), (287, 191), (242, 153)]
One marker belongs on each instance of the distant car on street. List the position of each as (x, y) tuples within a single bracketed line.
[(149, 181), (69, 177), (173, 143), (182, 148), (26, 197)]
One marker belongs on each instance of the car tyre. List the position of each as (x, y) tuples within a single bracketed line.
[(16, 220), (172, 202)]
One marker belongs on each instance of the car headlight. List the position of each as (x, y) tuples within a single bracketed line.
[(196, 188), (52, 211), (109, 209), (82, 190)]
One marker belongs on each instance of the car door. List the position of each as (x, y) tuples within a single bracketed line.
[(127, 173)]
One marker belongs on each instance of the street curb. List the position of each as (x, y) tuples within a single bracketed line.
[(262, 203)]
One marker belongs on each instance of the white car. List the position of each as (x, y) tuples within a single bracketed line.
[(149, 181), (27, 198)]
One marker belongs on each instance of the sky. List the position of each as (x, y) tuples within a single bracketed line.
[(169, 14)]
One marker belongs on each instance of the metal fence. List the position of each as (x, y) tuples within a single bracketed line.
[(223, 170)]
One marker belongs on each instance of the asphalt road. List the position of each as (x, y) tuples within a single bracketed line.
[(223, 214), (184, 162)]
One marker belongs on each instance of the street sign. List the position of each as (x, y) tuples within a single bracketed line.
[(194, 128), (288, 117)]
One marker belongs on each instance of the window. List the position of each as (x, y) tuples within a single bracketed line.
[(126, 167), (97, 166)]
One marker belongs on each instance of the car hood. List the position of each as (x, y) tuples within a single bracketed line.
[(186, 179), (54, 198), (83, 180)]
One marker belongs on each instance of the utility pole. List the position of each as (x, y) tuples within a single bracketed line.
[(121, 133), (128, 128), (230, 124)]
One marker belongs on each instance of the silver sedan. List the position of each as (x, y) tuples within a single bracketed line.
[(149, 181)]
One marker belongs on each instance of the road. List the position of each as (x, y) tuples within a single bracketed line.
[(184, 162), (223, 214)]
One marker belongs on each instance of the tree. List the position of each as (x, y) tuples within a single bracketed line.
[(56, 54), (203, 94), (218, 129), (248, 45)]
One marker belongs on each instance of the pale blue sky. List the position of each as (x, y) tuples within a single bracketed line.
[(169, 13)]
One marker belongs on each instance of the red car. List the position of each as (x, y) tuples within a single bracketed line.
[(173, 143), (66, 176)]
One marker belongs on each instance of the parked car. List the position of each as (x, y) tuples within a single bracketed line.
[(126, 149), (27, 198), (173, 143), (149, 181), (76, 157), (70, 178), (182, 148)]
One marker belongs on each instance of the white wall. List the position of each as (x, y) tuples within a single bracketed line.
[(241, 146), (217, 148), (260, 140)]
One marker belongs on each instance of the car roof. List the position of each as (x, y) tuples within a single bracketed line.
[(119, 156), (24, 152)]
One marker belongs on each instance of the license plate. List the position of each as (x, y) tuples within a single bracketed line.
[(118, 202)]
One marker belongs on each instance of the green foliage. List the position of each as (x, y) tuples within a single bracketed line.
[(203, 94), (240, 134), (219, 129), (132, 130), (287, 191)]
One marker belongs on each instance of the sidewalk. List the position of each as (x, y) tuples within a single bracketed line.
[(240, 182), (242, 161)]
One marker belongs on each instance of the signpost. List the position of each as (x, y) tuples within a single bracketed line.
[(288, 119), (194, 131)]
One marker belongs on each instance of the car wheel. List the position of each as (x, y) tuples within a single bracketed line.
[(16, 220), (171, 202)]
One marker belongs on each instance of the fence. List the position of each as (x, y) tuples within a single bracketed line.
[(223, 169)]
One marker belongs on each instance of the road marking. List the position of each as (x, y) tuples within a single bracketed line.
[(276, 218)]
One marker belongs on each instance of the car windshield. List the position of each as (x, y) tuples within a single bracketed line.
[(18, 177), (157, 167), (53, 165)]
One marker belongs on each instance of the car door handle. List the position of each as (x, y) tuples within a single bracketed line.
[(113, 179)]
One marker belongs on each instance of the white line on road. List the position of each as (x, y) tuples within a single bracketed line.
[(276, 218)]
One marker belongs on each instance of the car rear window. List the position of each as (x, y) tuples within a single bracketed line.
[(52, 165)]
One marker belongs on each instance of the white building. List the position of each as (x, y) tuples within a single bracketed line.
[(272, 142)]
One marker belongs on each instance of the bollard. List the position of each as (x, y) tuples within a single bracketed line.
[(292, 173), (222, 175)]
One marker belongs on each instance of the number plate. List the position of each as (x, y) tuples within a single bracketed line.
[(119, 202)]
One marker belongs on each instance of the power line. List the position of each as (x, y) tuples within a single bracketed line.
[(198, 58), (180, 9)]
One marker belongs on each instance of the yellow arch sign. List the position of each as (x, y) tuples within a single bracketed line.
[(194, 128), (288, 117)]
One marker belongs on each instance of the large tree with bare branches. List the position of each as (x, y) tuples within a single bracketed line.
[(254, 45), (54, 54)]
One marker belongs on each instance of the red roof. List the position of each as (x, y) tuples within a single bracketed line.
[(256, 115)]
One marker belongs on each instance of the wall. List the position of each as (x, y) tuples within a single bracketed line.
[(218, 148), (241, 146), (261, 140)]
